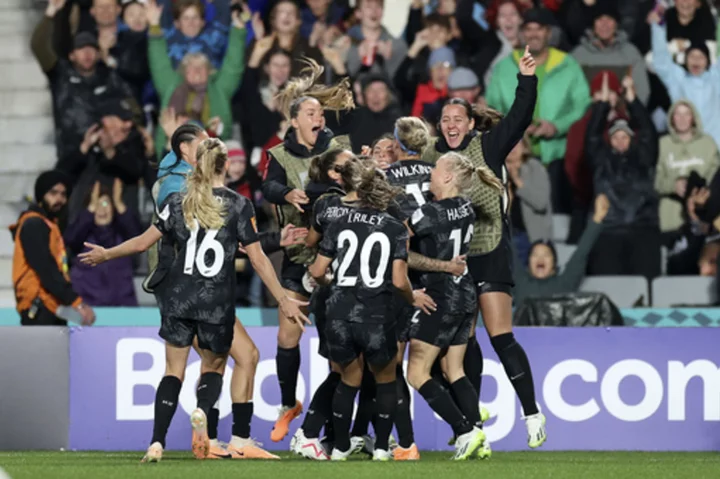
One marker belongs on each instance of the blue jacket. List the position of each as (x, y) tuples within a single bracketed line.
[(171, 177), (702, 91)]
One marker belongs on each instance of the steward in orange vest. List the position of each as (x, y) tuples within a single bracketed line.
[(40, 266)]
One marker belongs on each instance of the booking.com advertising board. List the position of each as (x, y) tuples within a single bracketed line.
[(600, 389)]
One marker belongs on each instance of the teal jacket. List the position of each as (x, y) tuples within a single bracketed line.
[(563, 96), (171, 177)]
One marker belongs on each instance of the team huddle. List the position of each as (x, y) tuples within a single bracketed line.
[(386, 258)]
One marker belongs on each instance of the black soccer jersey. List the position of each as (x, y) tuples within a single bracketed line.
[(364, 245), (201, 282), (413, 176), (443, 230), (329, 209)]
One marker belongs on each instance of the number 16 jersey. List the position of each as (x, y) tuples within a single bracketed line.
[(201, 282)]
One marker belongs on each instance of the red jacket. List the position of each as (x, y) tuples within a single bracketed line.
[(426, 93), (264, 159)]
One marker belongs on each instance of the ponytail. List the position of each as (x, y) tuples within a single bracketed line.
[(465, 173), (322, 164), (199, 204), (374, 191)]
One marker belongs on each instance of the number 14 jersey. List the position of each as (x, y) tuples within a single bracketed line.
[(201, 282)]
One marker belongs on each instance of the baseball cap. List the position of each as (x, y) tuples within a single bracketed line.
[(463, 78), (442, 55), (116, 107), (85, 39), (620, 124), (540, 16)]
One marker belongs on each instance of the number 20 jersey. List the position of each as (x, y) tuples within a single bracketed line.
[(201, 282), (364, 244), (413, 176)]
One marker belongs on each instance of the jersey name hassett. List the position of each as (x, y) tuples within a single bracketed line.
[(456, 214), (404, 171)]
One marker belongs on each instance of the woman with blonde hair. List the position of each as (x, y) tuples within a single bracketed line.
[(303, 102), (205, 224)]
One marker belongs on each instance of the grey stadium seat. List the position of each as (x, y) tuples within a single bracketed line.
[(624, 291), (561, 228), (564, 253), (144, 299), (672, 291)]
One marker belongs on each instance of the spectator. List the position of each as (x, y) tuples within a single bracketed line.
[(506, 17), (689, 22), (543, 277), (111, 149), (241, 177), (216, 11), (318, 16), (285, 25), (190, 32), (607, 46), (254, 104), (688, 253), (77, 85), (623, 170), (440, 65), (196, 90), (107, 222), (375, 118), (44, 294), (563, 94), (373, 47), (530, 210), (577, 166), (480, 45), (133, 16), (437, 33), (685, 149), (698, 82)]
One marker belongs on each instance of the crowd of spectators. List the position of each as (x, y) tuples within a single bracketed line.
[(628, 109)]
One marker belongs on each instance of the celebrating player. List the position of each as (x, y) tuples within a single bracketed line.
[(173, 172), (303, 103), (443, 229), (196, 299), (370, 249), (490, 257)]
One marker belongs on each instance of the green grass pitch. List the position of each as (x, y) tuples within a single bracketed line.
[(521, 465)]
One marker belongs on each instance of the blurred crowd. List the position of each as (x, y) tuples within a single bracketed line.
[(625, 132)]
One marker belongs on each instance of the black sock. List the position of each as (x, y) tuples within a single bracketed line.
[(342, 407), (403, 422), (366, 405), (386, 403), (208, 391), (320, 410), (473, 364), (166, 401), (242, 413), (287, 363), (465, 397), (438, 398), (212, 423), (517, 367)]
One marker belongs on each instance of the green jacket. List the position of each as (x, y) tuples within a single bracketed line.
[(563, 96), (221, 85)]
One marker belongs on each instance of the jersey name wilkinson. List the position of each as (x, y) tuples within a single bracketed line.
[(412, 170)]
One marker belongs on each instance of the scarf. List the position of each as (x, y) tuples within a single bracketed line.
[(191, 101)]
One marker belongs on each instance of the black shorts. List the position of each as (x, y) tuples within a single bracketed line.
[(317, 309), (442, 328), (404, 313), (346, 341), (493, 267), (217, 338), (294, 277)]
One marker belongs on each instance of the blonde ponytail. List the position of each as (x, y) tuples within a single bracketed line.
[(465, 172), (199, 203)]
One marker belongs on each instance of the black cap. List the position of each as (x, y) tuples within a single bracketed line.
[(85, 39), (373, 78), (606, 8), (47, 181), (116, 107), (541, 16)]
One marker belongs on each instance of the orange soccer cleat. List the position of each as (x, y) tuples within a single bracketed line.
[(409, 454), (248, 449), (282, 425)]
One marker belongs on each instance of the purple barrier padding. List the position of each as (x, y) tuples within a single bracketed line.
[(600, 389)]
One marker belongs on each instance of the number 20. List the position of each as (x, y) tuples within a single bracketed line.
[(370, 280)]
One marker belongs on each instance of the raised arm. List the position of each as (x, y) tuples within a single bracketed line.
[(231, 72)]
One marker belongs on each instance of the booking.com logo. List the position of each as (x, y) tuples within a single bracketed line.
[(600, 392)]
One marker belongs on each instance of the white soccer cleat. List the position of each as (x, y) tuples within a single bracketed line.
[(154, 453), (307, 447), (338, 455), (368, 444), (357, 444), (535, 425), (468, 444), (383, 456)]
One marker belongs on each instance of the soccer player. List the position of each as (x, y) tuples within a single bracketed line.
[(303, 103), (173, 172), (486, 139), (369, 247), (196, 299), (443, 229)]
